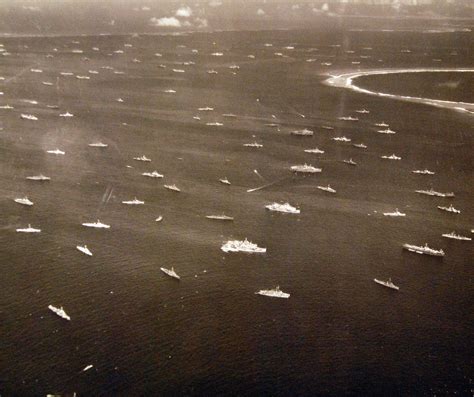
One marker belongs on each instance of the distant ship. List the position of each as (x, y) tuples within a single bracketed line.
[(159, 219), (98, 225), (395, 213), (360, 145), (286, 208), (303, 132), (432, 192), (305, 168), (212, 71), (254, 144), (154, 174), (423, 250), (386, 131), (60, 312), (341, 139), (382, 124), (220, 217), (206, 109), (135, 201), (172, 187), (84, 249), (170, 272), (391, 157), (363, 111), (56, 151), (28, 117), (388, 284), (170, 91), (40, 177), (455, 236), (242, 246), (28, 229), (142, 158), (423, 172), (82, 77), (348, 118), (24, 201), (315, 151), (327, 127), (449, 209), (273, 293), (67, 114), (215, 124), (98, 144), (229, 115), (225, 181), (327, 188), (350, 162)]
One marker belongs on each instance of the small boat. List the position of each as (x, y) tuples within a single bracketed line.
[(178, 70), (273, 293), (423, 172), (170, 91), (28, 117), (386, 131), (47, 83), (40, 177), (172, 187), (87, 367), (315, 151), (272, 125), (395, 213), (242, 246), (142, 158), (98, 144), (170, 272), (28, 229), (225, 181), (66, 74), (363, 111), (455, 236), (154, 174), (285, 208), (388, 284), (220, 217), (60, 312), (348, 118), (159, 219), (212, 71), (56, 151), (350, 162), (432, 192), (341, 139), (423, 250), (135, 201), (67, 114), (84, 249), (305, 169), (24, 201), (382, 124), (119, 100), (391, 157), (97, 225), (303, 132), (449, 209), (254, 144), (36, 70), (360, 145), (327, 188)]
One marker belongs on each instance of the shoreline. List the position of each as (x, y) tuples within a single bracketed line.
[(345, 80)]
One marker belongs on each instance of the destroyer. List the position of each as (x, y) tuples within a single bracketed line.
[(56, 151), (253, 144), (225, 181), (304, 132), (386, 131), (24, 201), (154, 174), (28, 229), (84, 249), (273, 293), (350, 162), (391, 157), (172, 187), (388, 284), (327, 188), (432, 192), (315, 151), (423, 172), (40, 177), (305, 168), (423, 250), (455, 236), (135, 201), (286, 208), (242, 246), (449, 209), (360, 145), (98, 144), (170, 272), (348, 118), (60, 312), (220, 217), (395, 213), (97, 225), (28, 117), (341, 139), (142, 158)]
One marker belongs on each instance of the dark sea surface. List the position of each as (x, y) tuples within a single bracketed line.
[(209, 334)]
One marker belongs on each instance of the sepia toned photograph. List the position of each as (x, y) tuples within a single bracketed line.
[(236, 198)]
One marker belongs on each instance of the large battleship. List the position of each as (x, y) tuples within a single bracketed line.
[(305, 169), (286, 208), (242, 246), (423, 250), (273, 293)]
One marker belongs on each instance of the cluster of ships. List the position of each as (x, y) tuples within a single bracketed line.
[(245, 246)]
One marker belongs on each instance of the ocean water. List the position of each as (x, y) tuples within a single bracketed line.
[(209, 334)]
